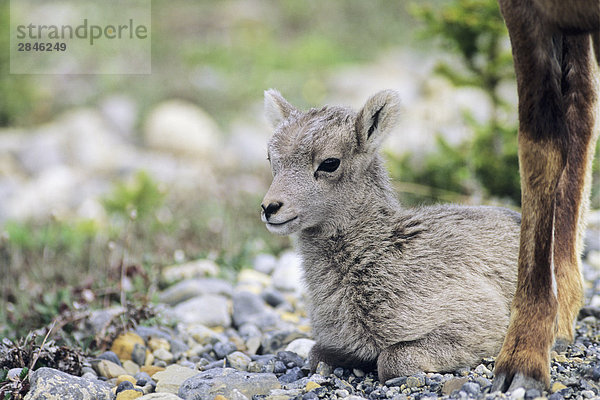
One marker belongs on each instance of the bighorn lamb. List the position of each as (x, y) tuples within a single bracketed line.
[(402, 290)]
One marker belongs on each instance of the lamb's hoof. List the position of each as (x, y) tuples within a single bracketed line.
[(502, 383)]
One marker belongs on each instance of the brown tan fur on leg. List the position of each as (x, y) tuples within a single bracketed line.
[(552, 55), (574, 188)]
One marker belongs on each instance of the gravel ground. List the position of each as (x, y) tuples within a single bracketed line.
[(250, 341)]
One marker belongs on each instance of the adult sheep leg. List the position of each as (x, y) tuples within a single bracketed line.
[(543, 148), (556, 85), (573, 192)]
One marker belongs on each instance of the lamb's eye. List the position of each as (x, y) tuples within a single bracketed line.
[(329, 165)]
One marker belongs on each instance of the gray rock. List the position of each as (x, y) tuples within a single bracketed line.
[(203, 335), (209, 310), (142, 378), (324, 369), (191, 288), (279, 394), (13, 374), (533, 393), (398, 381), (471, 388), (223, 381), (275, 341), (249, 307), (290, 359), (125, 385), (454, 384), (160, 396), (146, 332), (249, 330), (272, 297), (291, 375), (138, 354), (48, 383), (415, 381), (178, 346), (99, 319), (222, 349), (265, 263), (108, 369)]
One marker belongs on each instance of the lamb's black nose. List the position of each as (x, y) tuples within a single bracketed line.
[(272, 208)]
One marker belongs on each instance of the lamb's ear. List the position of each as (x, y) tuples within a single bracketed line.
[(376, 119), (277, 109)]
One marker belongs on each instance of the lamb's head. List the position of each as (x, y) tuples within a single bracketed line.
[(325, 162)]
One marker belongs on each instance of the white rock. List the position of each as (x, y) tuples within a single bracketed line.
[(172, 377), (121, 113), (91, 144), (190, 288), (43, 150), (181, 128), (300, 346), (51, 192), (288, 273), (160, 396), (209, 310), (192, 269)]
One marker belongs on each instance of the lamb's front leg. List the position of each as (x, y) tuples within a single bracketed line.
[(433, 353)]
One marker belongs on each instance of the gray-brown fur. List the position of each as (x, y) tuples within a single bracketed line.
[(405, 290)]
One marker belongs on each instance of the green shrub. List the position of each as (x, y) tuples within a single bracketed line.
[(475, 31)]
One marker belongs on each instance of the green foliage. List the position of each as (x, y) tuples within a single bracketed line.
[(70, 237), (475, 31), (141, 196), (52, 304)]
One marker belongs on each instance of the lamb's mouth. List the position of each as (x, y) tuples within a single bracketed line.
[(281, 223)]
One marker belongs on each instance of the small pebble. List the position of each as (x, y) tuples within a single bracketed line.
[(124, 385), (125, 378), (238, 360), (129, 394), (163, 354), (323, 369), (110, 356), (158, 343), (222, 349), (518, 394), (271, 336), (291, 375), (471, 388)]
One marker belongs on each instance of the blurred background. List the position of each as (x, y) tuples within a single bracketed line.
[(107, 179)]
